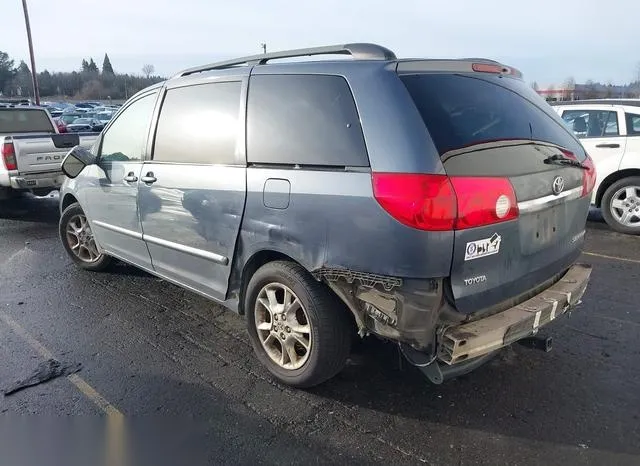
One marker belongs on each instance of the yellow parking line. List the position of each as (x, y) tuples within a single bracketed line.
[(97, 399), (86, 389), (604, 256)]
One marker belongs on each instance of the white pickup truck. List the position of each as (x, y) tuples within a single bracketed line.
[(31, 151), (609, 130)]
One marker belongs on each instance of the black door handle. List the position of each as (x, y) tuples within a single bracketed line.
[(608, 146), (149, 178)]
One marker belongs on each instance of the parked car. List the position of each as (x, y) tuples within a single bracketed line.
[(69, 118), (31, 151), (104, 117), (609, 129), (82, 125), (60, 124), (439, 204)]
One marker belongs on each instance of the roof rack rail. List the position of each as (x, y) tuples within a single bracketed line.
[(361, 51)]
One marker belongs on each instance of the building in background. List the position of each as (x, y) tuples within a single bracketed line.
[(590, 90)]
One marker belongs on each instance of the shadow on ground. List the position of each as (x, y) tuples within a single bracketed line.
[(29, 208)]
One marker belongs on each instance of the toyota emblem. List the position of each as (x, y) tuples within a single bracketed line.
[(558, 185)]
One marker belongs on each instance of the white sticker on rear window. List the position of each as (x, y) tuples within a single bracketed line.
[(482, 247)]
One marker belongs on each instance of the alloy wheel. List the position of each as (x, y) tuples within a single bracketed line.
[(283, 326)]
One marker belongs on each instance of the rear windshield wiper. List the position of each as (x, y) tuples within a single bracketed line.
[(558, 159)]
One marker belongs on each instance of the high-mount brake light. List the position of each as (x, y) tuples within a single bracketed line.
[(490, 68)]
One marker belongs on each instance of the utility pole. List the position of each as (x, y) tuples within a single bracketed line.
[(34, 78), (264, 47)]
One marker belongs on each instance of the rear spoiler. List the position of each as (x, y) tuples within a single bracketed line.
[(464, 65)]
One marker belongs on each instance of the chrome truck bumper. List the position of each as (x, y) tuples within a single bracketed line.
[(35, 181), (466, 347)]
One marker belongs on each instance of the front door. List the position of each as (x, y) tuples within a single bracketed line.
[(112, 201), (598, 128), (192, 192)]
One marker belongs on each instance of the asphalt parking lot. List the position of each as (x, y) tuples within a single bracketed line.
[(151, 349)]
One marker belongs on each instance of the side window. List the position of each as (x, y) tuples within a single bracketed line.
[(199, 124), (125, 138), (633, 124), (592, 123), (303, 119)]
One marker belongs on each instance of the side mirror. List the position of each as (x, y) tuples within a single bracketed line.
[(75, 161)]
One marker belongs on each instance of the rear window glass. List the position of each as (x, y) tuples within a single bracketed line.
[(25, 121), (461, 111)]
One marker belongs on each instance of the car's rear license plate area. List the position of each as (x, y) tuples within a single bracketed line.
[(542, 229)]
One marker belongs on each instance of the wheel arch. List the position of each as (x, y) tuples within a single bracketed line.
[(265, 256), (67, 200), (612, 178)]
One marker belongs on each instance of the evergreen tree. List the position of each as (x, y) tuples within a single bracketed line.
[(85, 65), (93, 67), (106, 65)]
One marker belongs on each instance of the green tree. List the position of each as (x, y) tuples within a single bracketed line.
[(85, 65), (106, 65), (93, 67), (7, 71), (22, 80)]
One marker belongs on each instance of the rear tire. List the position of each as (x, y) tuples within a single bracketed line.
[(77, 239), (298, 329), (621, 205)]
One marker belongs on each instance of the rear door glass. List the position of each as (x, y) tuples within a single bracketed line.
[(463, 110), (592, 123), (633, 124)]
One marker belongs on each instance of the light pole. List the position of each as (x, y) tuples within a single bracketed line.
[(34, 78), (264, 47)]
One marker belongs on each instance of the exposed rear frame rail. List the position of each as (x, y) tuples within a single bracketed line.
[(360, 51)]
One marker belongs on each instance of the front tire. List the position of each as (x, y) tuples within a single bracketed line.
[(77, 239), (621, 205), (298, 329)]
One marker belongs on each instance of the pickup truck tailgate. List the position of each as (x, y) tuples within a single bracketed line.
[(42, 153)]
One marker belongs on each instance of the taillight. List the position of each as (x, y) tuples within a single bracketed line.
[(439, 202), (589, 173), (9, 156), (483, 201), (426, 202), (588, 177)]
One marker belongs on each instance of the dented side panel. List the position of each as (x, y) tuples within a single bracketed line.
[(328, 221)]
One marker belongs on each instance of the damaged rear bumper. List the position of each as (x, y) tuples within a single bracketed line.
[(484, 336)]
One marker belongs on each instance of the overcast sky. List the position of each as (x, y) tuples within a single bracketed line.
[(548, 40)]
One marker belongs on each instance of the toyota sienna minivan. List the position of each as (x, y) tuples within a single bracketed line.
[(438, 204)]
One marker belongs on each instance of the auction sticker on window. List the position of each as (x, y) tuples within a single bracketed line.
[(483, 247)]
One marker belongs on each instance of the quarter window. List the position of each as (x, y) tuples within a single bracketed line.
[(592, 123), (199, 124), (125, 139), (303, 119)]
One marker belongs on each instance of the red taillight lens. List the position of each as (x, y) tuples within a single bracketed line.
[(439, 202), (483, 201), (426, 202), (9, 156), (589, 176)]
